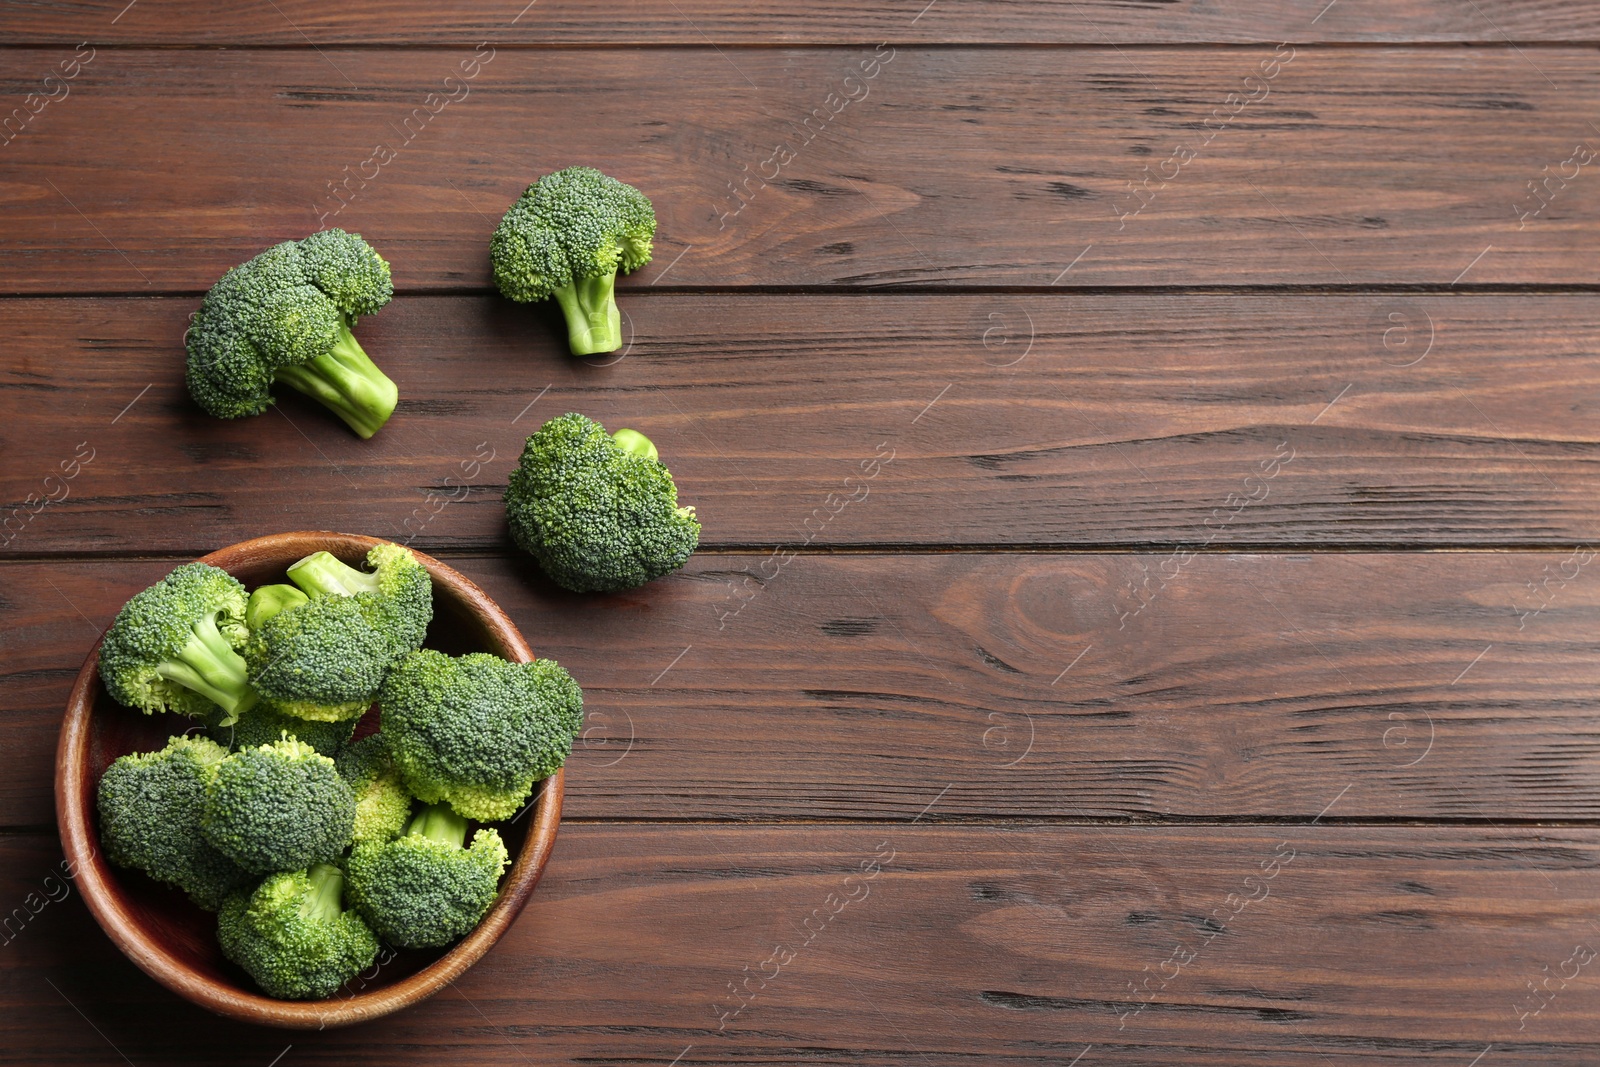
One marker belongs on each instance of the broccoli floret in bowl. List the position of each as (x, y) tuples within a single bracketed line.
[(477, 732), (427, 887), (175, 646), (293, 935), (151, 805), (278, 807)]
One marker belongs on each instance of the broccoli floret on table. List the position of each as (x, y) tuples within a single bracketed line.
[(383, 805), (286, 316), (278, 807), (174, 646), (477, 732), (293, 935), (568, 236), (427, 887), (598, 511), (150, 807)]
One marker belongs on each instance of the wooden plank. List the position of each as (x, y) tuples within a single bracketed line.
[(1433, 685), (565, 22), (1065, 419), (1016, 946), (953, 166)]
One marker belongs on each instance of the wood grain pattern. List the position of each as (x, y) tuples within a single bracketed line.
[(1031, 685), (1064, 419), (1010, 945), (693, 22), (954, 166)]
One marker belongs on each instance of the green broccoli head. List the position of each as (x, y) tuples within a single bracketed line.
[(477, 732), (321, 660), (264, 724), (286, 316), (173, 646), (599, 513), (382, 804), (397, 592), (150, 807), (278, 807), (567, 236), (293, 936), (427, 888)]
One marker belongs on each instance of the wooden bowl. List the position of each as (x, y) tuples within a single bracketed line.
[(175, 942)]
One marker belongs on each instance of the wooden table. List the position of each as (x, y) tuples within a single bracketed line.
[(1179, 448)]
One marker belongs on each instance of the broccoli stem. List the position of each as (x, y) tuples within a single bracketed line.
[(594, 325), (634, 442), (346, 382), (209, 666), (325, 902), (439, 822), (268, 601), (324, 574)]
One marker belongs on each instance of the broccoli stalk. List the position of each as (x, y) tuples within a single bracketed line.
[(324, 574), (269, 600), (346, 381), (636, 444), (209, 666), (325, 901), (438, 822), (594, 325)]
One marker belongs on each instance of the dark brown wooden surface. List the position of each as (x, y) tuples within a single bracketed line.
[(956, 166), (1012, 419), (1256, 521), (694, 22), (1000, 944), (848, 687)]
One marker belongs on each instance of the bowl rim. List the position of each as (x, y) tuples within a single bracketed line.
[(79, 841)]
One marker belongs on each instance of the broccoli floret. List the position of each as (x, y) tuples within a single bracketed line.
[(599, 513), (286, 316), (264, 724), (568, 236), (476, 731), (397, 592), (382, 803), (278, 807), (293, 935), (321, 660), (173, 646), (427, 888), (150, 806)]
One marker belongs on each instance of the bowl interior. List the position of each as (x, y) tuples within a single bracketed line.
[(175, 941)]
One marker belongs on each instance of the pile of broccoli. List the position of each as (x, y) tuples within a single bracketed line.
[(313, 847), (309, 845)]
